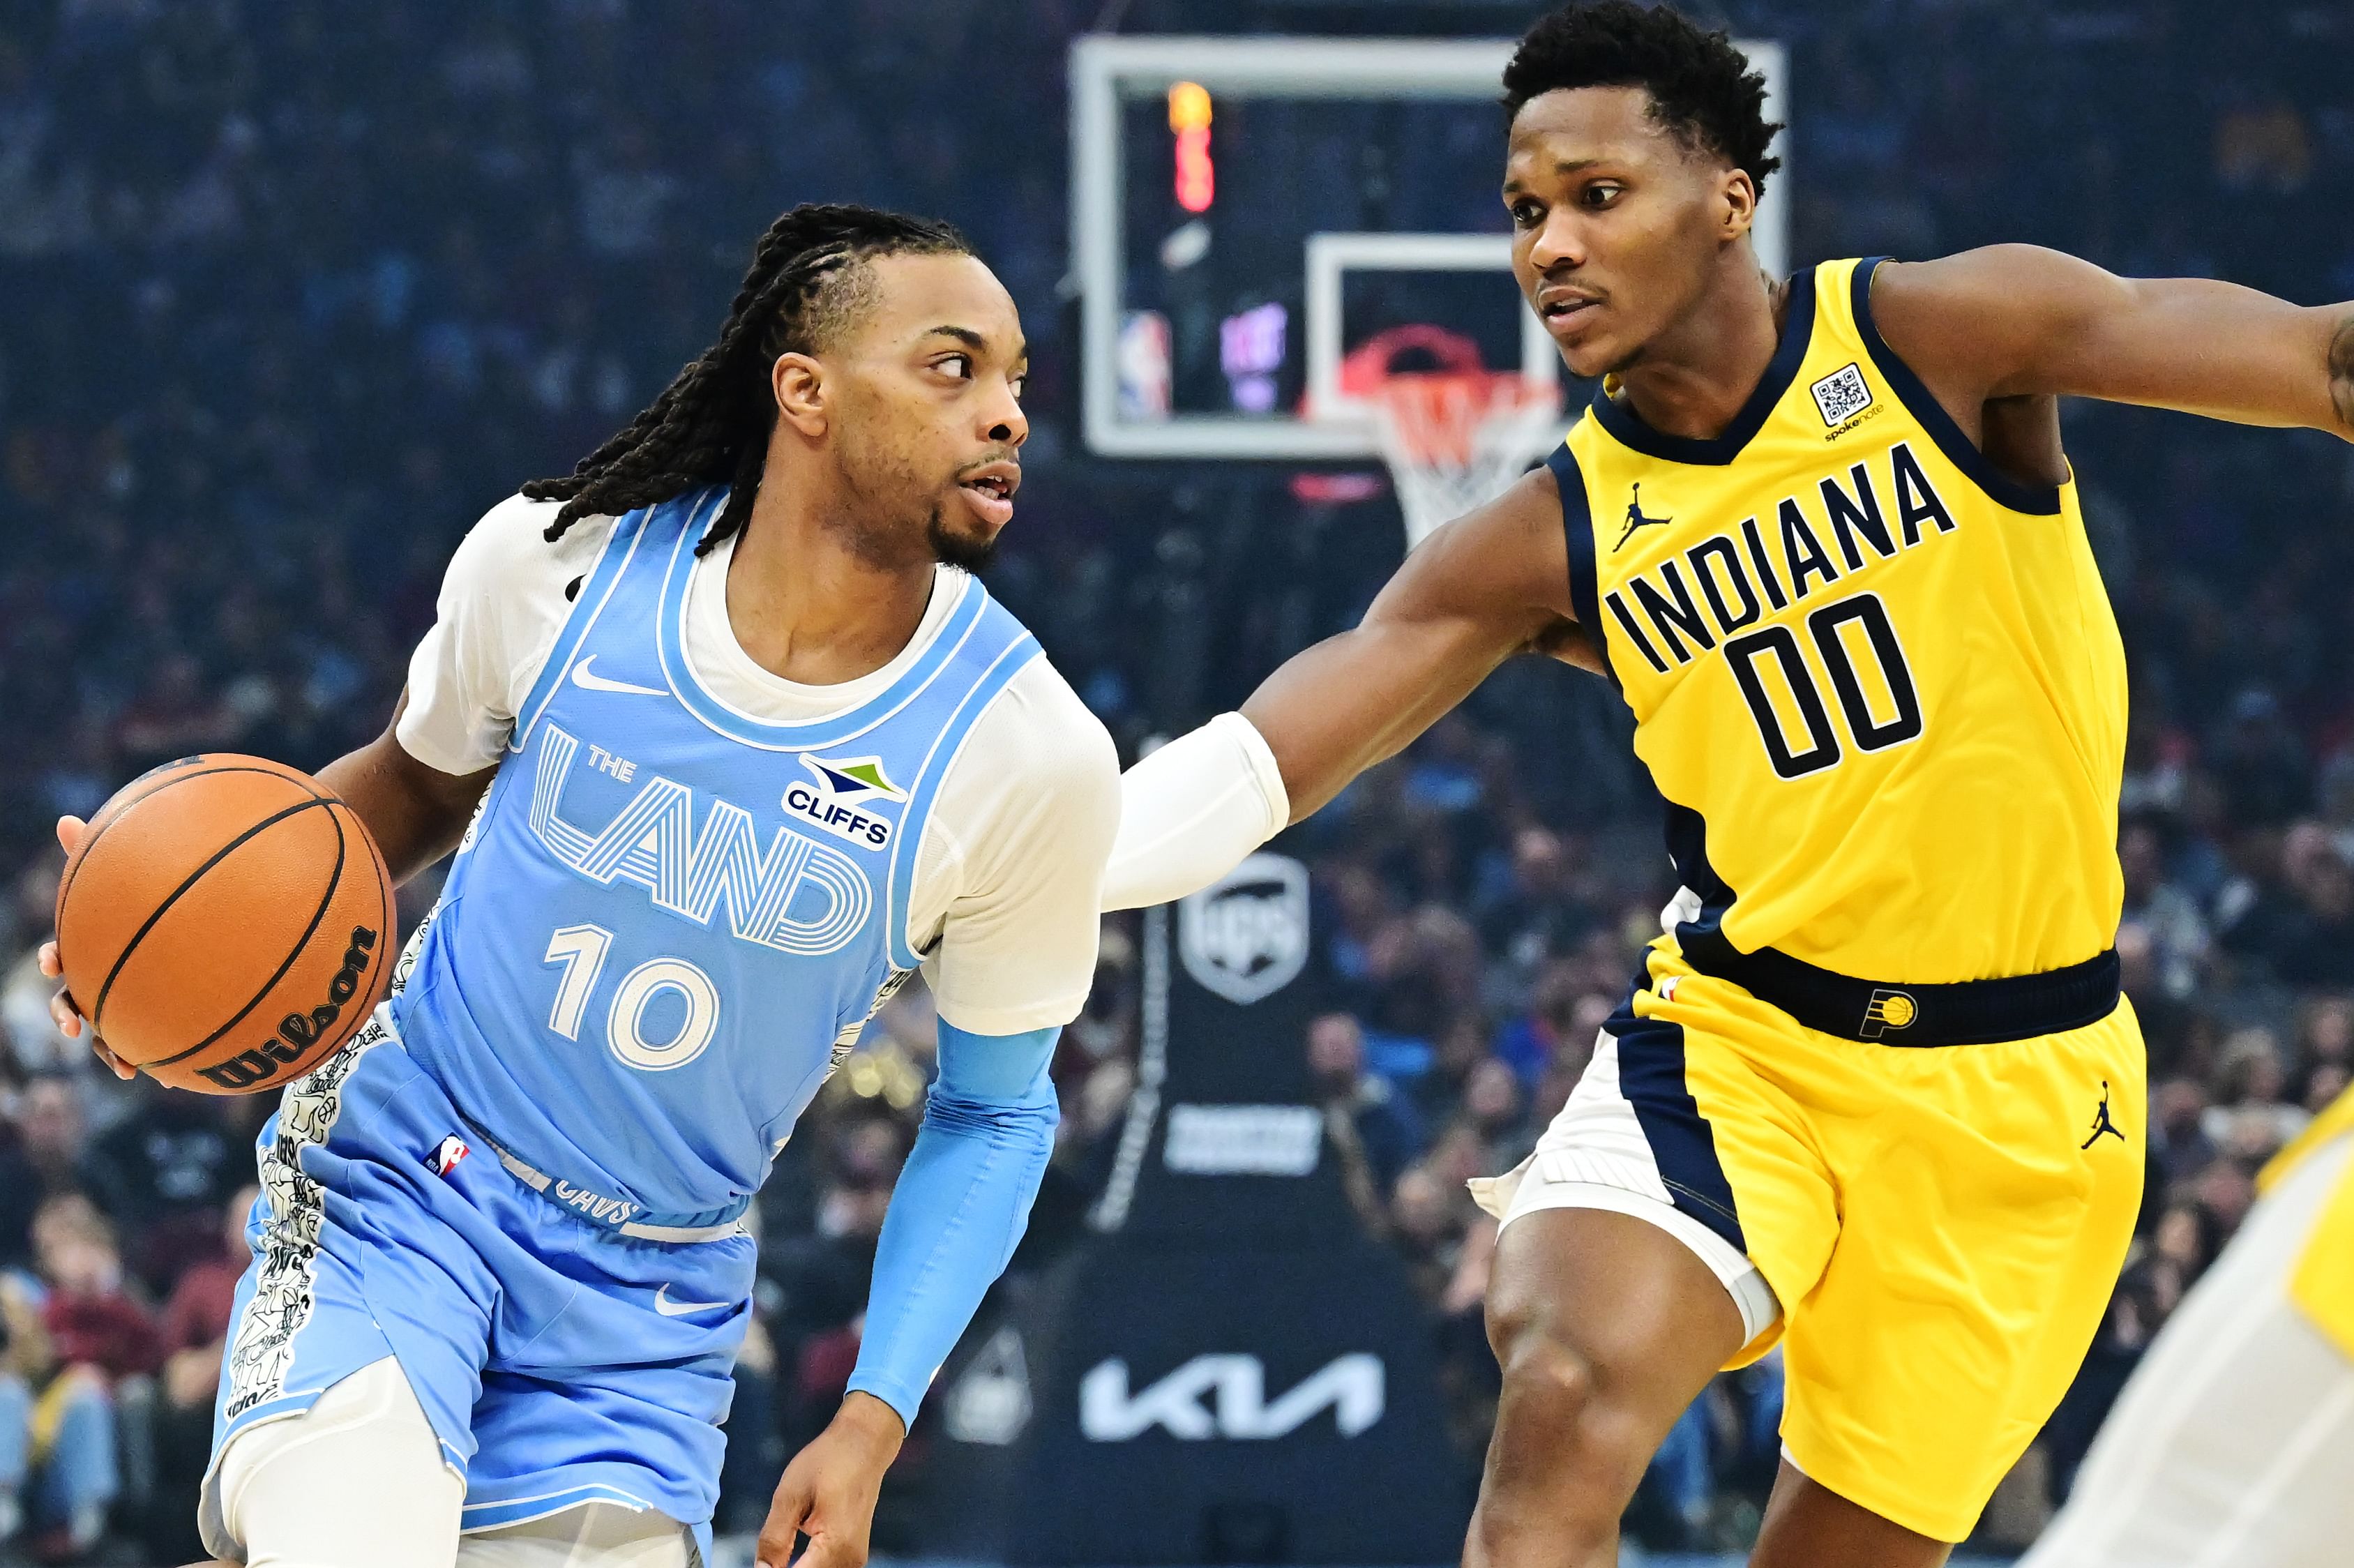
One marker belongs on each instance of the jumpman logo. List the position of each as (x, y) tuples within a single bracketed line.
[(1635, 519), (2101, 1122)]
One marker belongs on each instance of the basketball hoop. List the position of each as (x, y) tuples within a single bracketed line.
[(1454, 436), (1454, 439)]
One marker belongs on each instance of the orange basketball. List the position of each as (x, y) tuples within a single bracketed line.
[(225, 924)]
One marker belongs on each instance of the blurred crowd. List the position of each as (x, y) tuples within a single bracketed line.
[(301, 289)]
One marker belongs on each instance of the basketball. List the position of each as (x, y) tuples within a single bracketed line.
[(225, 924)]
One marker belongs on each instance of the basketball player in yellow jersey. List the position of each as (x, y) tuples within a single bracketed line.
[(1874, 1092)]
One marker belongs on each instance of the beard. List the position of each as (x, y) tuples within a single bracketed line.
[(882, 527), (955, 549)]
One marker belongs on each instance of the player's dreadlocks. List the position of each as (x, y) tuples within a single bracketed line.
[(1703, 90), (711, 425)]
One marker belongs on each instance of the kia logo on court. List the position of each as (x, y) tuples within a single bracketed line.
[(1225, 1396), (1244, 936)]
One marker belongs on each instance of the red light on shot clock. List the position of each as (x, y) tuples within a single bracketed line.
[(1189, 117)]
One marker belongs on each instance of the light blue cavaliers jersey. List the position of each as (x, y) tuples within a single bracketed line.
[(671, 919)]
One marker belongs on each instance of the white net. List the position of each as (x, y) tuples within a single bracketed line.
[(1456, 438)]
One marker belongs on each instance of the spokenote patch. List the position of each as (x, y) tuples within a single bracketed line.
[(838, 789), (1841, 395)]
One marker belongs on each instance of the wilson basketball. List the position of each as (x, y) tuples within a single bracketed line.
[(225, 924)]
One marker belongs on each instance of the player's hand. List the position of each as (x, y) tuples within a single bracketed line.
[(828, 1492), (63, 1010)]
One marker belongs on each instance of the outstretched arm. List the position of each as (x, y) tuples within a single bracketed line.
[(2017, 321), (1485, 587), (1027, 809), (1492, 583), (959, 1208), (958, 1211)]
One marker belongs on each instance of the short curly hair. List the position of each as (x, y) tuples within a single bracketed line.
[(1702, 89)]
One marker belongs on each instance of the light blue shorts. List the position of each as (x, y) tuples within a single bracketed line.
[(560, 1362)]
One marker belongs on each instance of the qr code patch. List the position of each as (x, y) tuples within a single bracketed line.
[(1841, 395)]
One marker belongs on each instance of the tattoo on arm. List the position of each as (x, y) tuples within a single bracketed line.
[(2341, 371)]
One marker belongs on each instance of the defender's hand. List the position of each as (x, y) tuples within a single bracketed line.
[(828, 1492), (63, 1010)]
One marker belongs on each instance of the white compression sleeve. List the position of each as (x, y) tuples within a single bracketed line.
[(1192, 810)]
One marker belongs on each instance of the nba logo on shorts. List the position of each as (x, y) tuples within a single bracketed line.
[(453, 1150), (1889, 1010)]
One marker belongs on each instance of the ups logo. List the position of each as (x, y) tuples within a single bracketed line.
[(1244, 936)]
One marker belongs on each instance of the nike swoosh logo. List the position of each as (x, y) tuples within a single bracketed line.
[(670, 1308), (582, 678)]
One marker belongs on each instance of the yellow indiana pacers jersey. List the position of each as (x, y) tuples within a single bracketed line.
[(1878, 683)]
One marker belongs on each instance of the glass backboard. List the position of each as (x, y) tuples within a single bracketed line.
[(1247, 212)]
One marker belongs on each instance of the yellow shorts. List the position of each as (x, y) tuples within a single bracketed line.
[(1942, 1226)]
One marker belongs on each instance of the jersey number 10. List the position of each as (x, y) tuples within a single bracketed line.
[(581, 950), (1819, 744)]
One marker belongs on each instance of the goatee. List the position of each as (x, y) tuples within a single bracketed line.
[(958, 550)]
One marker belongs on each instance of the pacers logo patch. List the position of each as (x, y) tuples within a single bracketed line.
[(1889, 1010)]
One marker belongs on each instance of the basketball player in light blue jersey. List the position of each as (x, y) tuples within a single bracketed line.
[(743, 745)]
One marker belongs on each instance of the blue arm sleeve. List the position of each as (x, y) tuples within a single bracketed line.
[(960, 1207)]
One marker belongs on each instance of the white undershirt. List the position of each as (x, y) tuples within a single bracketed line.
[(1010, 868)]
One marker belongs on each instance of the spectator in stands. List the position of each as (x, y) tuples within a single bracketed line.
[(2224, 1189), (815, 1299), (192, 1340), (162, 1172), (73, 1335), (2176, 930), (2261, 763), (26, 1027), (2324, 1039), (1543, 910), (2255, 1118), (93, 1320), (44, 1162), (2321, 951), (1429, 1220), (1361, 1107), (1495, 1110), (1546, 1030), (2179, 1145), (2188, 1237)]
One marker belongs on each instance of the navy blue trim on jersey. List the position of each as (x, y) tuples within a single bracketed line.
[(612, 562), (805, 735), (1688, 851), (1798, 331), (1682, 1143), (2043, 500), (1577, 529)]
